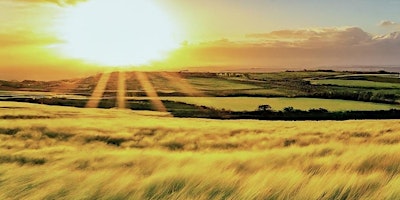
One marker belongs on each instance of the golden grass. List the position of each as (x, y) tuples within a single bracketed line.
[(119, 154)]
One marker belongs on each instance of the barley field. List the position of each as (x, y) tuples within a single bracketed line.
[(50, 152)]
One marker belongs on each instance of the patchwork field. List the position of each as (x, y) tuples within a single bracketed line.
[(219, 84), (357, 83), (50, 152), (378, 87)]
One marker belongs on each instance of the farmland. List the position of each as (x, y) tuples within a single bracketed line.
[(199, 100), (73, 152), (52, 152), (335, 91), (219, 84)]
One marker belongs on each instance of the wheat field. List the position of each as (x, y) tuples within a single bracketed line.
[(50, 152)]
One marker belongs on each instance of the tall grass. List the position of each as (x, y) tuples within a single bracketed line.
[(113, 154)]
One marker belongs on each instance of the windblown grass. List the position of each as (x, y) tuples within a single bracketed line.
[(113, 154)]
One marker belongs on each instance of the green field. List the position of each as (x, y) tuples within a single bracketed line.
[(356, 83), (368, 87), (219, 84), (252, 103), (293, 75)]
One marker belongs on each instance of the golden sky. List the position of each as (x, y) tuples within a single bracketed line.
[(53, 39)]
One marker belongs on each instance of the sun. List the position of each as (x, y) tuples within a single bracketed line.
[(117, 33)]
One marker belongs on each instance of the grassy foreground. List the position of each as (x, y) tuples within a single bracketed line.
[(49, 152)]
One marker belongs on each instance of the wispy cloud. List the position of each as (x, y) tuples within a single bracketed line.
[(58, 2), (285, 34), (387, 23), (308, 47), (390, 24), (317, 37)]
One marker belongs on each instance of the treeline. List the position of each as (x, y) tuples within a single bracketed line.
[(356, 96), (318, 115), (178, 109), (264, 112), (292, 115), (80, 103)]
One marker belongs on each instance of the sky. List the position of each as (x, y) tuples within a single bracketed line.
[(44, 39)]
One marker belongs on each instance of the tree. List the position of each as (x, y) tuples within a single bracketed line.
[(264, 107), (318, 110), (289, 109)]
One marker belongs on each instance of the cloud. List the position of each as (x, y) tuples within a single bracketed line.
[(317, 36), (58, 2), (224, 42), (388, 23), (306, 48), (339, 37), (284, 34)]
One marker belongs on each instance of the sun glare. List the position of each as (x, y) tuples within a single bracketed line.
[(118, 33)]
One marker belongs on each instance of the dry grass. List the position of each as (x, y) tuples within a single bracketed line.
[(113, 154)]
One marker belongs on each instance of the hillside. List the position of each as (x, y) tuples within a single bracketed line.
[(380, 87)]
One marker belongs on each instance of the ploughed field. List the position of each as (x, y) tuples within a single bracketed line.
[(52, 152)]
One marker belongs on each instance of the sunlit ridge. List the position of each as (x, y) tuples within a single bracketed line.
[(147, 86)]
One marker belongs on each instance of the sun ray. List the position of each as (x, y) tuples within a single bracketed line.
[(150, 91), (182, 83), (121, 92), (98, 91)]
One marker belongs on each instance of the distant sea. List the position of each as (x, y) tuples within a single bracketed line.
[(391, 68), (279, 69)]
